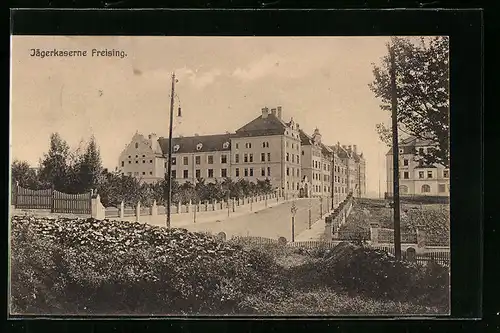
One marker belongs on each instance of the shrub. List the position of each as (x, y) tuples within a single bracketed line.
[(88, 266)]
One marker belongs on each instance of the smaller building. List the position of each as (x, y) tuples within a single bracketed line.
[(415, 177)]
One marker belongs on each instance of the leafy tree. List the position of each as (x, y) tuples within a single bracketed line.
[(422, 80), (22, 172), (89, 168), (54, 167)]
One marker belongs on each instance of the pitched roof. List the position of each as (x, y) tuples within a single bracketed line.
[(209, 143), (270, 125), (409, 145), (305, 139)]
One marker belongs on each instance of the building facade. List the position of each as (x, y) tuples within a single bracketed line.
[(266, 148), (416, 178)]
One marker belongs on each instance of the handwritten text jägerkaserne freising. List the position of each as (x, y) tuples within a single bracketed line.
[(96, 53)]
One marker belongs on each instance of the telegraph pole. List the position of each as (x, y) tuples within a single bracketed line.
[(395, 157), (169, 165)]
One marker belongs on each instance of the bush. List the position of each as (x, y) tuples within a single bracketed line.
[(87, 266), (375, 274)]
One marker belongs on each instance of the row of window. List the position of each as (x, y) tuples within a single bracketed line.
[(294, 158), (425, 188), (421, 174), (136, 162), (197, 160), (248, 145), (247, 172)]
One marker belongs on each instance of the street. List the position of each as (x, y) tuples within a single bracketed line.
[(272, 222)]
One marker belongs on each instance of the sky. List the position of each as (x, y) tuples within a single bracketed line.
[(223, 83)]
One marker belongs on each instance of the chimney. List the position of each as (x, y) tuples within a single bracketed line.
[(265, 112), (355, 149), (273, 112), (344, 146), (279, 112), (350, 147)]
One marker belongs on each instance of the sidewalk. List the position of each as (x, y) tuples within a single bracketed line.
[(185, 219), (316, 232)]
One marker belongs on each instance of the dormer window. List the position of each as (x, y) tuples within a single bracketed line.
[(199, 146), (225, 145), (136, 145), (176, 147)]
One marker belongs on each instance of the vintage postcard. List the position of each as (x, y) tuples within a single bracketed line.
[(259, 176)]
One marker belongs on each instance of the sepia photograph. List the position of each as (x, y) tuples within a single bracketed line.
[(229, 176)]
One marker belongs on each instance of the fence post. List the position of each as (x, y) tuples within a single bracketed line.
[(214, 205), (420, 236), (122, 210), (374, 228), (137, 211), (188, 206), (52, 205), (154, 209)]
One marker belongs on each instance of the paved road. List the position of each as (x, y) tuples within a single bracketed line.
[(271, 223)]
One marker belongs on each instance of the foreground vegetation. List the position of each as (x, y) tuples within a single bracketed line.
[(69, 266)]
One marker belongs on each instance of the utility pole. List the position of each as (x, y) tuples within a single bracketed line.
[(169, 165), (395, 157)]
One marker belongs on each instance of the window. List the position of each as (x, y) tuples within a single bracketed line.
[(210, 173), (405, 162), (174, 174), (263, 172), (129, 173), (129, 156), (446, 173), (262, 157), (197, 159), (426, 188), (129, 162), (298, 159), (288, 171), (441, 188), (302, 153), (406, 175), (123, 163), (143, 155), (251, 172), (136, 156), (136, 162), (269, 157), (429, 174), (245, 158), (297, 186), (237, 170), (185, 160), (293, 172), (223, 159), (287, 145), (421, 151), (143, 173), (198, 174), (185, 173), (263, 145), (150, 172), (421, 174), (143, 161), (268, 171), (293, 158), (223, 173), (150, 161), (237, 145), (136, 145), (403, 189), (237, 158), (293, 146), (251, 158), (174, 161), (210, 159), (246, 172), (287, 157)]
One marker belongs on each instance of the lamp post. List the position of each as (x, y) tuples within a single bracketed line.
[(293, 211)]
